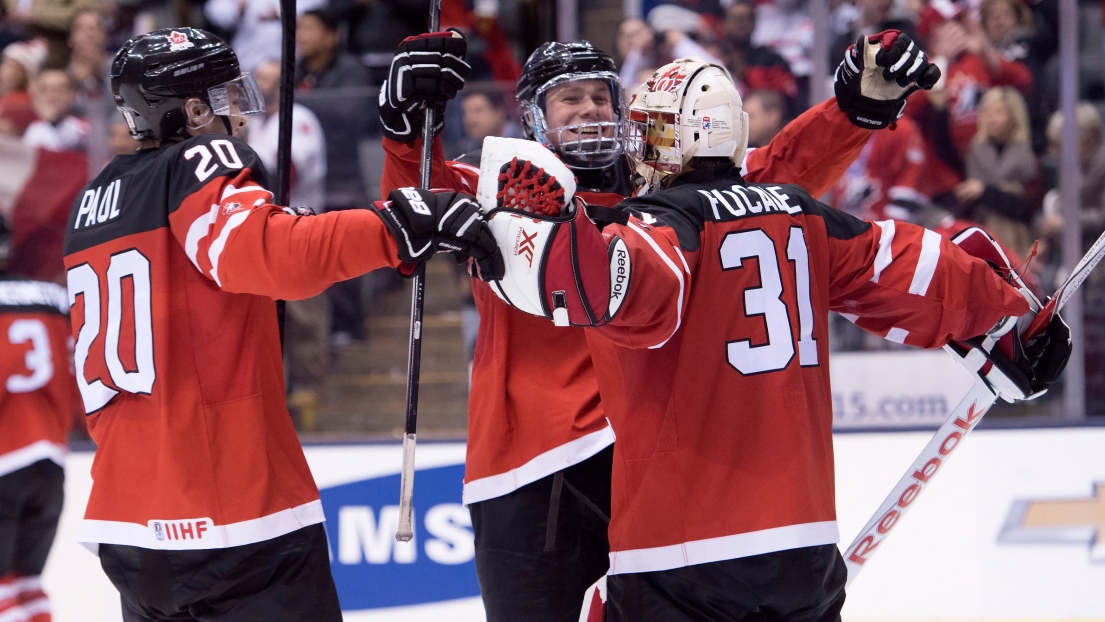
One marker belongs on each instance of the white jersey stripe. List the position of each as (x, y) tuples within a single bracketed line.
[(94, 532), (217, 246), (543, 465), (678, 275), (926, 263), (885, 254), (726, 547), (897, 335), (198, 230)]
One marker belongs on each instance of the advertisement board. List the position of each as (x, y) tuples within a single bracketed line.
[(911, 389), (1012, 528)]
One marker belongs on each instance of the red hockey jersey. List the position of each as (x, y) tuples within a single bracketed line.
[(885, 180), (36, 397), (173, 256), (715, 370), (534, 407)]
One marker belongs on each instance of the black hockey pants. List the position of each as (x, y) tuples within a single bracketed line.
[(540, 547), (286, 578), (799, 585)]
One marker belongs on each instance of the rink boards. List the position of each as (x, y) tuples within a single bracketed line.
[(1013, 528)]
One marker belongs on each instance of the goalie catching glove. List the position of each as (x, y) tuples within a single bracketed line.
[(876, 76), (427, 70), (424, 222), (1014, 365)]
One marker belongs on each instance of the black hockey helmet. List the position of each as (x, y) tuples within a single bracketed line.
[(155, 73), (556, 63)]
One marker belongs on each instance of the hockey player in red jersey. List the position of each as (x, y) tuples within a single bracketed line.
[(708, 302), (539, 443), (36, 415), (202, 505)]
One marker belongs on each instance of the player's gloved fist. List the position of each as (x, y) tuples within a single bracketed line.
[(1046, 355), (424, 222), (876, 76), (427, 71)]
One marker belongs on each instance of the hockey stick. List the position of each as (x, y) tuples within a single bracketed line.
[(958, 424), (405, 532), (284, 127)]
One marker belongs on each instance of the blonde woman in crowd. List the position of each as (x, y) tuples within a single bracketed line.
[(1003, 174)]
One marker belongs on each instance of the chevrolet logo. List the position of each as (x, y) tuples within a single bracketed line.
[(1059, 520)]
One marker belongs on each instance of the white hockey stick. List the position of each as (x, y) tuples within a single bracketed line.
[(959, 423)]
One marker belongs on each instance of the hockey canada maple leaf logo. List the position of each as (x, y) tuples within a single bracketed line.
[(179, 41), (667, 81)]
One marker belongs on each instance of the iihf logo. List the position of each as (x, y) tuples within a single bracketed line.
[(706, 123), (158, 532)]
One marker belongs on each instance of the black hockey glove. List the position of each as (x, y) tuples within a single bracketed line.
[(427, 69), (1046, 354), (876, 76), (424, 222)]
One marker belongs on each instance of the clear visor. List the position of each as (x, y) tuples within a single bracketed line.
[(654, 140), (240, 96)]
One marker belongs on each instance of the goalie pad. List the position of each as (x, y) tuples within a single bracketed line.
[(560, 267), (999, 357), (523, 175)]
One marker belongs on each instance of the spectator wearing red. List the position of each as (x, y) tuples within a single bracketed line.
[(21, 63), (885, 181), (973, 66), (754, 67)]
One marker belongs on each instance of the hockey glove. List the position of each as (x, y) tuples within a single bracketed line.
[(427, 70), (876, 76), (424, 222), (1013, 365)]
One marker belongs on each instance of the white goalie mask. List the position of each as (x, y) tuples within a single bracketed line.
[(687, 109)]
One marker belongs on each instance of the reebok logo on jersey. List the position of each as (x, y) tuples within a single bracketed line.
[(415, 200), (188, 529), (99, 205)]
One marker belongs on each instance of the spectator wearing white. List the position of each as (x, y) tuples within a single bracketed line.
[(256, 26), (306, 321), (57, 129), (785, 26)]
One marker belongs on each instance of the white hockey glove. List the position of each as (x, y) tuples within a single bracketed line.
[(427, 69), (1014, 365), (557, 263), (876, 76), (424, 222)]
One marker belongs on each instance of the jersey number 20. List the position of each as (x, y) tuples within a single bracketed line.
[(767, 300), (83, 281)]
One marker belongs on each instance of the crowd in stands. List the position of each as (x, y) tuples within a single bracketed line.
[(981, 147)]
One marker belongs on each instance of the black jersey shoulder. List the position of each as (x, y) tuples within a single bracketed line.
[(687, 207), (136, 193), (23, 295)]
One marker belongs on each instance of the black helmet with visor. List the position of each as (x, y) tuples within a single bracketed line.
[(154, 74), (583, 146)]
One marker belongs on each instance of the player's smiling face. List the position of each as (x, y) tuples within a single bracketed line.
[(578, 102)]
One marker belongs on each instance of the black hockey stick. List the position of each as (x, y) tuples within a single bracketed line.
[(284, 135), (414, 354)]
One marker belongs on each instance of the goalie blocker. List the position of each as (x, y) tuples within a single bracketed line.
[(557, 264), (1014, 365)]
